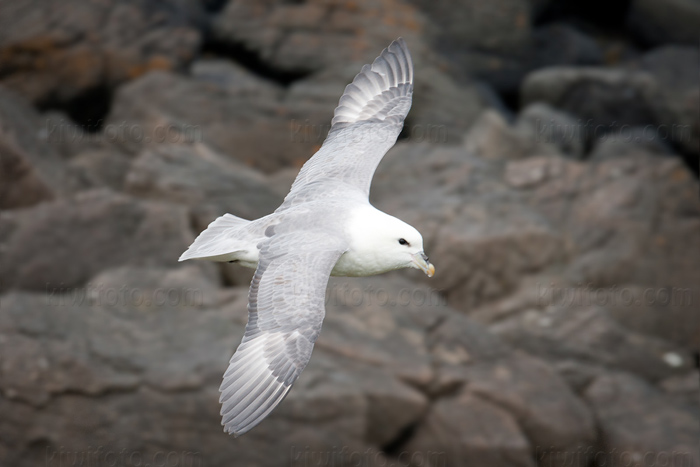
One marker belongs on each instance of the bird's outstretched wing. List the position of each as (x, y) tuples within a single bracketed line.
[(365, 126), (286, 307)]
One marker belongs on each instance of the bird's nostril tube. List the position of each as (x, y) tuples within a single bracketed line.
[(425, 257)]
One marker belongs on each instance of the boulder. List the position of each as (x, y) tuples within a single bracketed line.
[(467, 430), (100, 167), (198, 177), (53, 53), (603, 99), (57, 246), (299, 38), (552, 417), (673, 21), (674, 68), (549, 125), (566, 329), (629, 143), (639, 425), (562, 44), (227, 115), (492, 137), (32, 171), (491, 41)]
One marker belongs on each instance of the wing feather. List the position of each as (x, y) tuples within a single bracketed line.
[(286, 306), (365, 125)]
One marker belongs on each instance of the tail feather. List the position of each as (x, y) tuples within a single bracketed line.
[(216, 243)]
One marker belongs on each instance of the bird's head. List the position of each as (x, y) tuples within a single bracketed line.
[(401, 245)]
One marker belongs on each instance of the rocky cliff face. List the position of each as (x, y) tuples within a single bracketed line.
[(550, 161)]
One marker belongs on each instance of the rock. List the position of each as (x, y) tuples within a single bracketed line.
[(196, 176), (167, 108), (31, 170), (561, 44), (628, 143), (673, 67), (549, 414), (673, 21), (603, 99), (60, 245), (302, 38), (552, 126), (491, 137), (471, 431), (68, 138), (100, 167), (476, 366), (570, 330), (492, 41), (442, 109), (21, 184), (640, 426), (683, 389), (71, 49)]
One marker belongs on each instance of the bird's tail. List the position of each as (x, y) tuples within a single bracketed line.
[(216, 243)]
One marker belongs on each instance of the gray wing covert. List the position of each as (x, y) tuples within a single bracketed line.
[(365, 125), (286, 307)]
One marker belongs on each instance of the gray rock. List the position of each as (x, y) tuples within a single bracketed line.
[(31, 170), (307, 37), (604, 99), (468, 430), (59, 245), (657, 23), (675, 69), (230, 116), (568, 330), (100, 167), (491, 41), (561, 44), (640, 426), (491, 137), (549, 413), (198, 177), (53, 53), (629, 142), (552, 126)]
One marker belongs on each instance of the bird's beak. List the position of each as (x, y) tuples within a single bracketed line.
[(421, 261)]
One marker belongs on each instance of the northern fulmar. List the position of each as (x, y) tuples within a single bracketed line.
[(325, 226)]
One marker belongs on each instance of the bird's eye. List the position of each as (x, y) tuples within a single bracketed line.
[(402, 241)]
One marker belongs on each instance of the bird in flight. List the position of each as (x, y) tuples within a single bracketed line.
[(325, 226)]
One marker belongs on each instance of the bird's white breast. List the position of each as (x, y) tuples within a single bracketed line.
[(364, 255)]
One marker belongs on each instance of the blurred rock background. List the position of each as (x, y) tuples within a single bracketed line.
[(550, 160)]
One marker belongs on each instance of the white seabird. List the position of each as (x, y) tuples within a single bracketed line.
[(325, 226)]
